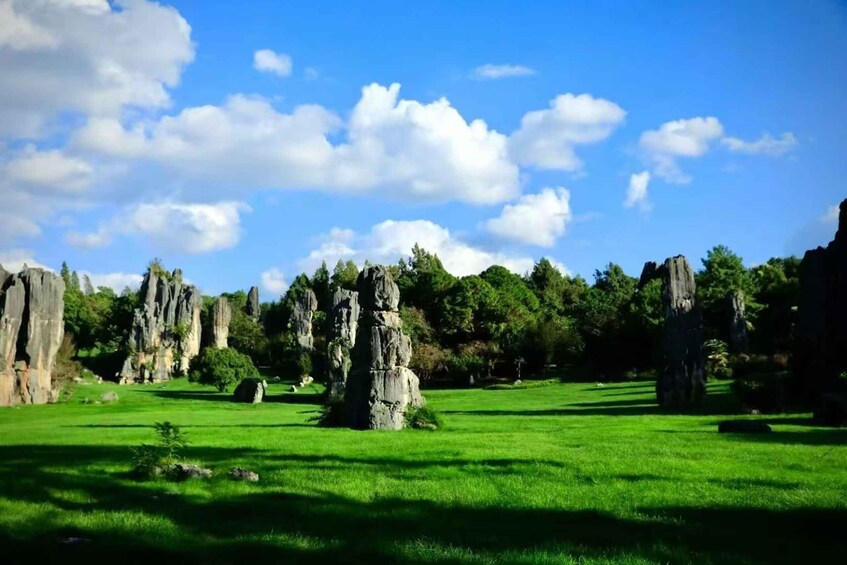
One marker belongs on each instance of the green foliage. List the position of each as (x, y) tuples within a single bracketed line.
[(423, 417), (222, 367), (428, 360), (717, 359), (344, 276), (247, 336), (152, 460), (765, 392)]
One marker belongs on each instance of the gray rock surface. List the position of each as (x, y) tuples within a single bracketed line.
[(221, 317), (738, 337), (184, 471), (239, 474), (301, 319), (31, 331), (165, 333), (380, 386), (254, 308), (681, 382), (250, 390), (110, 396), (820, 354), (343, 324)]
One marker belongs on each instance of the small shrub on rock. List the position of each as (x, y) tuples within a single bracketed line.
[(222, 368), (423, 417), (160, 459)]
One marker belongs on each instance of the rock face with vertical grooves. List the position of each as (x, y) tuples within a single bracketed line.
[(738, 337), (301, 319), (253, 309), (343, 323), (820, 354), (165, 333), (681, 382), (221, 317), (380, 386), (31, 331)]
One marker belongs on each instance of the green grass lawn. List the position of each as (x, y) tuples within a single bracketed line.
[(554, 474)]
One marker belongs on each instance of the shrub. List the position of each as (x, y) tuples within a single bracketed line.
[(222, 367), (423, 417), (717, 360), (153, 460), (766, 392)]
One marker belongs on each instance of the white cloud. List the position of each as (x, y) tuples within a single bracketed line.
[(50, 170), (84, 56), (636, 193), (403, 148), (546, 138), (116, 281), (765, 145), (536, 219), (679, 138), (831, 215), (13, 226), (13, 260), (391, 240), (267, 61), (178, 227), (501, 71), (273, 281)]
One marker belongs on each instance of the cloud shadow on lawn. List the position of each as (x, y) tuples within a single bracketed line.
[(245, 526)]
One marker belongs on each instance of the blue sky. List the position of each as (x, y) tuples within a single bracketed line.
[(245, 143)]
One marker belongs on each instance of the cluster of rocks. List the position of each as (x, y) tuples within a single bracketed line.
[(221, 317), (380, 386), (31, 331), (343, 323), (820, 355), (682, 381), (166, 331)]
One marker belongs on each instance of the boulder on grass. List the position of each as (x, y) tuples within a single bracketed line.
[(184, 471), (743, 427), (110, 396), (240, 474), (250, 390)]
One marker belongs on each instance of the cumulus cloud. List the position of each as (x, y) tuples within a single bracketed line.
[(680, 138), (85, 56), (267, 61), (487, 72), (831, 215), (765, 145), (636, 193), (404, 148), (536, 219), (391, 240), (116, 281), (546, 138), (51, 170), (190, 228), (273, 281), (13, 260)]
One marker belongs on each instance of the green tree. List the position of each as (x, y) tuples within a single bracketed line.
[(723, 273), (222, 368), (344, 276)]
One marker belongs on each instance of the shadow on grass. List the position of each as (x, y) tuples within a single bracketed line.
[(150, 427), (215, 396), (258, 523)]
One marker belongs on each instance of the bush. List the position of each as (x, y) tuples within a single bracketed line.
[(423, 417), (717, 360), (222, 368), (766, 392), (153, 460)]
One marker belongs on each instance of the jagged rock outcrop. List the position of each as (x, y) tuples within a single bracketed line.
[(681, 381), (820, 354), (380, 386), (165, 333), (253, 308), (738, 337), (31, 330), (301, 319), (343, 323), (221, 317)]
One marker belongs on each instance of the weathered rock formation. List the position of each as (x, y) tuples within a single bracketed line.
[(738, 337), (221, 317), (250, 390), (253, 308), (821, 333), (343, 322), (301, 319), (380, 386), (681, 382), (31, 330), (165, 333)]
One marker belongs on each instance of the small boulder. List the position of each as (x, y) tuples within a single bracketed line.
[(250, 390), (239, 474), (183, 471), (307, 380), (110, 396), (744, 427), (518, 382)]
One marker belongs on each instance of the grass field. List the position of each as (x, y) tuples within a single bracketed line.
[(554, 474)]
